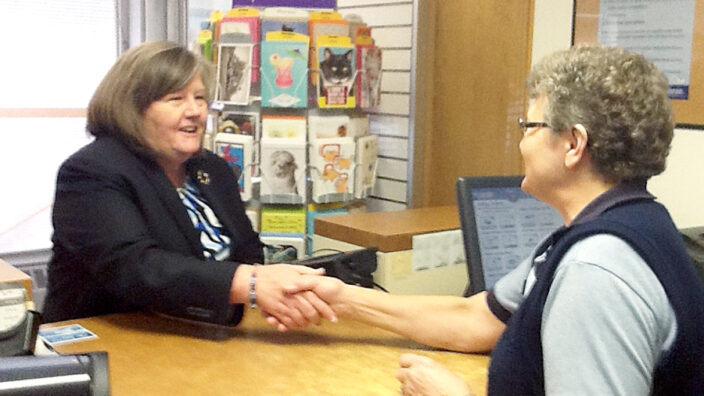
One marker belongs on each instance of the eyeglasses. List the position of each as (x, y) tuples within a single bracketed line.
[(524, 125)]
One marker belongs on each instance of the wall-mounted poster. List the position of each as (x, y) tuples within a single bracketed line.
[(660, 30)]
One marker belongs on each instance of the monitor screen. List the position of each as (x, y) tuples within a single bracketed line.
[(510, 223), (501, 225)]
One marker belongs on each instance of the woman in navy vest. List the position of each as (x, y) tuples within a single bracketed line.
[(607, 304)]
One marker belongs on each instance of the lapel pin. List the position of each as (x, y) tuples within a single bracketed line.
[(203, 177)]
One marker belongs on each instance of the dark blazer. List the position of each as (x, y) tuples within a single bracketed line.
[(124, 242)]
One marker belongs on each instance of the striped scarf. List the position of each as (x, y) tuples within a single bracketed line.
[(216, 244)]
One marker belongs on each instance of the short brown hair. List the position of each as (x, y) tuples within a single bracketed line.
[(142, 75), (619, 96)]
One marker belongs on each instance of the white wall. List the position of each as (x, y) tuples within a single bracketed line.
[(681, 187), (392, 24), (552, 27)]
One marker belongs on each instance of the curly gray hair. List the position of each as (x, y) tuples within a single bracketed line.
[(619, 96)]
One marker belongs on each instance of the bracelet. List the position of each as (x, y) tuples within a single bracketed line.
[(253, 288)]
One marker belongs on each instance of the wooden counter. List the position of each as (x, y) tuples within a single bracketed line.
[(152, 355), (389, 231), (10, 274)]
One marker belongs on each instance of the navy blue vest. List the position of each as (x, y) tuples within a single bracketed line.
[(517, 360)]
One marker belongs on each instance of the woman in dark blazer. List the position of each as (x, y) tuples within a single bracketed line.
[(144, 219)]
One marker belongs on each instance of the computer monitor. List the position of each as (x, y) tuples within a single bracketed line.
[(500, 226)]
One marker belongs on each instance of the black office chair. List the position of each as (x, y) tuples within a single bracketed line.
[(694, 241)]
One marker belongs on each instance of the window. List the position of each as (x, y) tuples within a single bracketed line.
[(54, 55)]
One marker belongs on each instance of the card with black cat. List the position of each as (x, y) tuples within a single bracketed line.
[(336, 63), (284, 19), (323, 23)]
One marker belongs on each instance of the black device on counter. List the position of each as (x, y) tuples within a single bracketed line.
[(354, 267), (19, 323)]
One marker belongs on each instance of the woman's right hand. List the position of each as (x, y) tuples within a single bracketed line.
[(324, 288)]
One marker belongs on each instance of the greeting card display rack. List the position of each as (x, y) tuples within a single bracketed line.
[(289, 113)]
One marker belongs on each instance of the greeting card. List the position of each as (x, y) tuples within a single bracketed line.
[(241, 123), (283, 220), (244, 20), (369, 76), (358, 125), (318, 210), (366, 159), (236, 150), (285, 70), (327, 126), (324, 23), (287, 248), (335, 61), (332, 169), (283, 169), (234, 71), (284, 19), (288, 127)]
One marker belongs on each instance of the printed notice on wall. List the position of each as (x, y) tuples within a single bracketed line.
[(661, 30)]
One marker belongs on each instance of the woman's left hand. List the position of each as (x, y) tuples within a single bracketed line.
[(294, 311), (423, 376)]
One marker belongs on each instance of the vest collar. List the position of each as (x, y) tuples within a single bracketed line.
[(627, 191)]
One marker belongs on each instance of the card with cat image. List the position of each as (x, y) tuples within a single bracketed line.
[(284, 19), (236, 150), (234, 73), (243, 20), (327, 126), (289, 127), (366, 159), (285, 70), (336, 64), (369, 76), (332, 169), (324, 23), (283, 169)]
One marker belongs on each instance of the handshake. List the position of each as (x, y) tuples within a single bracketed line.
[(294, 296)]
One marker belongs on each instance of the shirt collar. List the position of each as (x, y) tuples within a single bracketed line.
[(623, 192)]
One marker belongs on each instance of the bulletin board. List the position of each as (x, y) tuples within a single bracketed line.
[(688, 113)]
